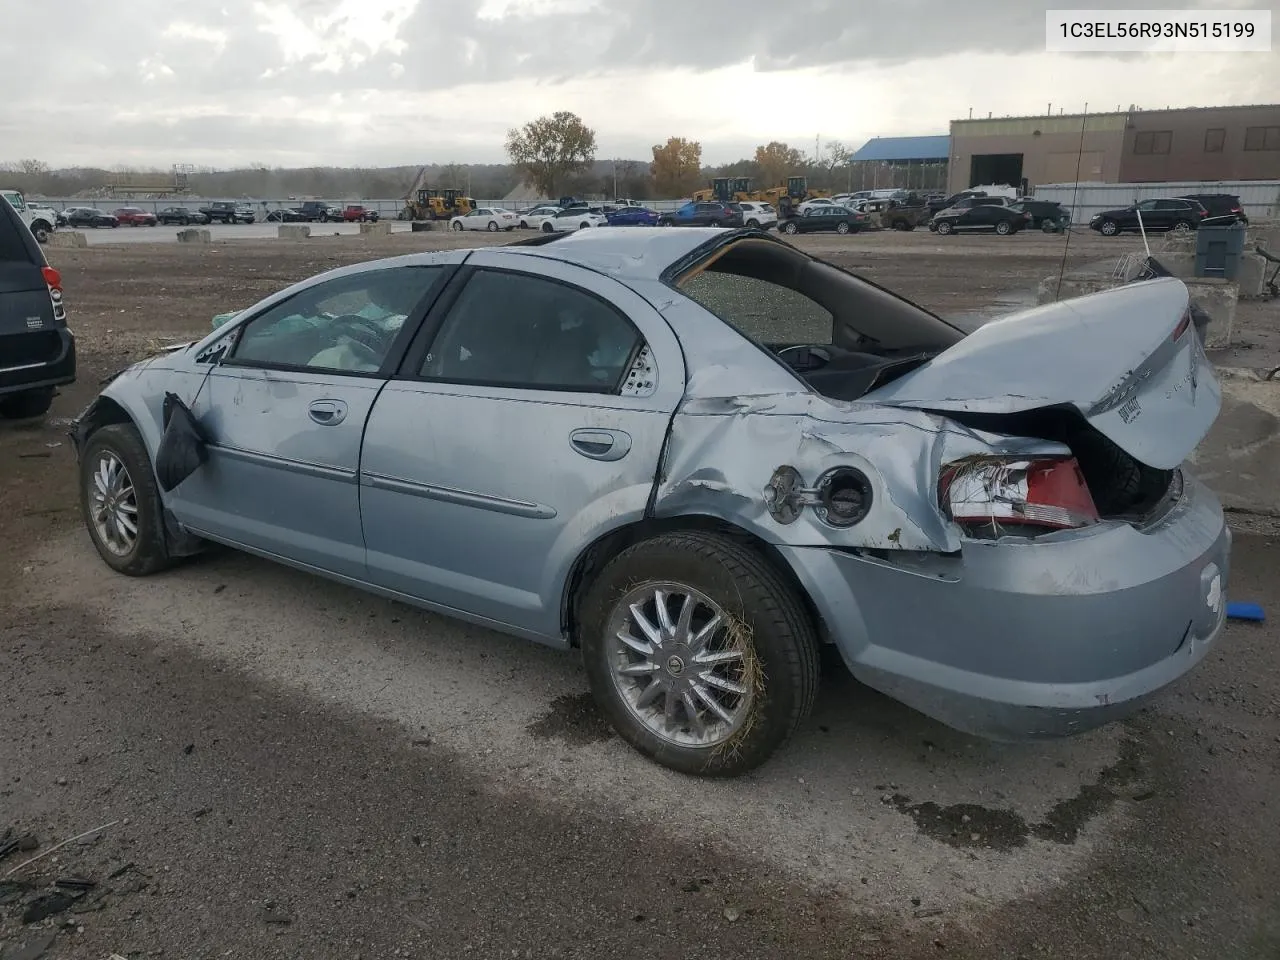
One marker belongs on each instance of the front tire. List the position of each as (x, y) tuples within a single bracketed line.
[(791, 229), (120, 502), (944, 228), (722, 666), (493, 226), (29, 403), (41, 230), (458, 227), (1108, 228)]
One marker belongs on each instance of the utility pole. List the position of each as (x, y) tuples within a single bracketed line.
[(615, 178)]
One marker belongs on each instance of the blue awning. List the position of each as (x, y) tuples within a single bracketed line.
[(903, 148)]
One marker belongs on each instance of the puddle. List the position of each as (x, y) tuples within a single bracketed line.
[(574, 719)]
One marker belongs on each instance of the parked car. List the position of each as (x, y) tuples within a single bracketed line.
[(135, 217), (978, 217), (220, 211), (574, 218), (703, 214), (245, 213), (355, 212), (287, 215), (492, 219), (629, 216), (37, 351), (757, 214), (808, 205), (1158, 216), (88, 217), (1222, 209), (182, 216), (937, 203), (824, 219), (533, 219), (959, 515), (1046, 215)]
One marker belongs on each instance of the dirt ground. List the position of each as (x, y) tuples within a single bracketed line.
[(291, 769)]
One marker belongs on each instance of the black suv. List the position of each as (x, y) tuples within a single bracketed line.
[(1158, 216), (319, 211), (1223, 208), (37, 351), (1045, 215)]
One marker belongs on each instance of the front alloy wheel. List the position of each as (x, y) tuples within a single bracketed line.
[(120, 501), (944, 227)]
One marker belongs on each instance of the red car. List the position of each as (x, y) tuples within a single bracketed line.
[(355, 211), (134, 217)]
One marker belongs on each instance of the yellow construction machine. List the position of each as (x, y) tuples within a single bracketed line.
[(432, 204), (726, 190)]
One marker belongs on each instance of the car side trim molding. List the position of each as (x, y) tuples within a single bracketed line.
[(304, 467), (466, 498)]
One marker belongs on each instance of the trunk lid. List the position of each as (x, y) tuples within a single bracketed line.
[(25, 305), (1110, 355)]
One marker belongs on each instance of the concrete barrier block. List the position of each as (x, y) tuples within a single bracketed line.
[(193, 235), (1240, 458), (293, 231), (68, 238), (418, 226), (1217, 297), (379, 229)]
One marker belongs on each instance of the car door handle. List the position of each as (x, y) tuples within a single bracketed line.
[(327, 413), (601, 444)]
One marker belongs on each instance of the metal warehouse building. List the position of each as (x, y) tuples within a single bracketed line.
[(918, 163), (1193, 144)]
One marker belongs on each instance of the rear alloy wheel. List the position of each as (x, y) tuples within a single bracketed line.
[(1182, 227), (1004, 228), (791, 229), (701, 656), (842, 228), (29, 403), (121, 502), (547, 228), (1109, 228), (753, 224), (944, 227)]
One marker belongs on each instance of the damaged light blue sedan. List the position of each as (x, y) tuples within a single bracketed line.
[(699, 456)]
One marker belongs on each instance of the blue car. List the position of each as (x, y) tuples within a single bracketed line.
[(633, 217)]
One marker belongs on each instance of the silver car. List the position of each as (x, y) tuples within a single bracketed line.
[(700, 456)]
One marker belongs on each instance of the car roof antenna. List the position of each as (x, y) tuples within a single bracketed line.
[(1075, 190)]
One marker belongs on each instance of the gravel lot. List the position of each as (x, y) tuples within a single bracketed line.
[(295, 769)]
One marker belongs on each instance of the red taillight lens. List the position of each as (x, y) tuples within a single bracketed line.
[(52, 277), (1181, 328), (1037, 492)]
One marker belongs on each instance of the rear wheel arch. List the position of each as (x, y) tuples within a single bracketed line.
[(592, 560)]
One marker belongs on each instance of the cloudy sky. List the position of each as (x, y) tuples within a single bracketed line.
[(374, 82)]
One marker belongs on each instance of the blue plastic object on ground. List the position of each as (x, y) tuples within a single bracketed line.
[(1239, 610)]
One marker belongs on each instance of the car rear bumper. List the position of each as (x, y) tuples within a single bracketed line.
[(1025, 640), (41, 358)]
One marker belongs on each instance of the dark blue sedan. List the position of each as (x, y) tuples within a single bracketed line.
[(633, 217)]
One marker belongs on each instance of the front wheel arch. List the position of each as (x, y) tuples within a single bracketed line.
[(599, 552)]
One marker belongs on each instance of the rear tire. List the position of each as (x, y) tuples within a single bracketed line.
[(768, 627), (1004, 228), (1182, 227), (144, 552), (842, 228), (29, 403), (547, 228)]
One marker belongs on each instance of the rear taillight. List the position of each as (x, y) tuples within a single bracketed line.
[(1047, 492), (52, 277), (1181, 328)]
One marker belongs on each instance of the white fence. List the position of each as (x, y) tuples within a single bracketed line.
[(385, 208), (1259, 198)]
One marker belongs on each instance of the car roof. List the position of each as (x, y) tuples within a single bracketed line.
[(642, 255)]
